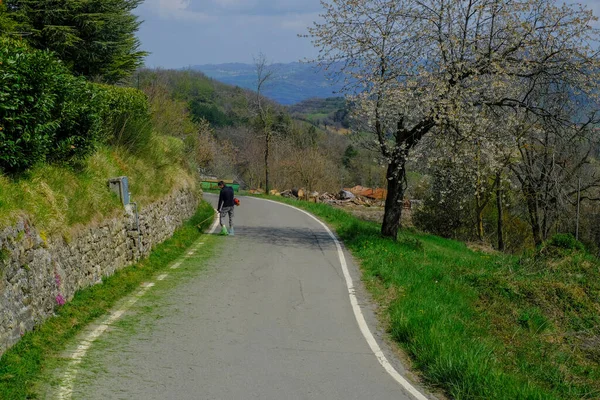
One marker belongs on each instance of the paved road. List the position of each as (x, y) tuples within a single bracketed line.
[(268, 318)]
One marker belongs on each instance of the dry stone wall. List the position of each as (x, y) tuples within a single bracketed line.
[(38, 274)]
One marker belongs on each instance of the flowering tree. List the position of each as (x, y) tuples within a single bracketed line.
[(467, 169), (421, 66)]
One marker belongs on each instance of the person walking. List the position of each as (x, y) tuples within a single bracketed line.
[(226, 207)]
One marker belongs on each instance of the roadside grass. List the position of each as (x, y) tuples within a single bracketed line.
[(22, 366), (477, 325), (57, 198)]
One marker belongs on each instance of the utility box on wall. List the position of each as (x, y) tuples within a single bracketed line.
[(120, 186)]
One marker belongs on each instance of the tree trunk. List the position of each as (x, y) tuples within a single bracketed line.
[(533, 209), (479, 208), (500, 212), (394, 201)]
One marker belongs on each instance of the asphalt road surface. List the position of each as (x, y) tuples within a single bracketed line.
[(268, 317)]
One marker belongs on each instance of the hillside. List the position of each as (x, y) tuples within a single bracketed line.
[(333, 112), (293, 83)]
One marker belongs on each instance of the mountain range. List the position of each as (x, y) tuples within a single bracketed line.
[(291, 83)]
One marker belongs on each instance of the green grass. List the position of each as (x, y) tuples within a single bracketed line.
[(23, 365), (58, 198), (482, 326)]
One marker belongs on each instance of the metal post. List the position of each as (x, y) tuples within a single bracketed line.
[(578, 201)]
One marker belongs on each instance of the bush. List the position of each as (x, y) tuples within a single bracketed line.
[(48, 115), (45, 112), (126, 117), (565, 241)]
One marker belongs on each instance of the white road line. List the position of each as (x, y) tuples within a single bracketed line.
[(65, 391), (360, 318), (176, 265)]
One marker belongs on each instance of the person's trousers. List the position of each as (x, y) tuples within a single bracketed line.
[(224, 212)]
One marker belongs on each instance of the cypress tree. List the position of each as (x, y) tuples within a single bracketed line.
[(95, 38)]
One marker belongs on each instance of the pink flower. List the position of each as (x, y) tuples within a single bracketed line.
[(60, 300)]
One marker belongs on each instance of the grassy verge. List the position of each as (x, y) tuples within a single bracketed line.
[(21, 367), (483, 326), (57, 198)]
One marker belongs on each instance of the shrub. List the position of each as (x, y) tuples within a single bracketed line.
[(45, 112), (126, 117), (565, 241), (49, 115), (80, 128)]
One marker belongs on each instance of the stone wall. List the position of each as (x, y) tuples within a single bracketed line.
[(37, 274)]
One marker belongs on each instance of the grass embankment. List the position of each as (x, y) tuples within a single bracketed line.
[(21, 367), (483, 326), (57, 198)]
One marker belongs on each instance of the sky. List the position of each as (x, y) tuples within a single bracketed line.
[(181, 33)]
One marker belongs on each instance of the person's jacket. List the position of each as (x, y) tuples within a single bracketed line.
[(225, 197)]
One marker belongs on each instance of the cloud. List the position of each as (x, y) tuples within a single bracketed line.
[(298, 22), (173, 5), (175, 9), (202, 9)]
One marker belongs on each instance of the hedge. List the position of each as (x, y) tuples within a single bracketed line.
[(49, 115)]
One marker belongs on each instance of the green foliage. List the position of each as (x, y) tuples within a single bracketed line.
[(209, 112), (332, 111), (7, 24), (48, 115), (56, 197), (565, 241), (95, 38), (126, 117), (220, 104), (349, 154), (45, 112)]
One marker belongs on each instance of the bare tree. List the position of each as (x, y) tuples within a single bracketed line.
[(552, 159), (264, 74)]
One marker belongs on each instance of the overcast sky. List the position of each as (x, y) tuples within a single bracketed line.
[(180, 33)]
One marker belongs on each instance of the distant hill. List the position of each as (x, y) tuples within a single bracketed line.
[(332, 112), (293, 82)]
